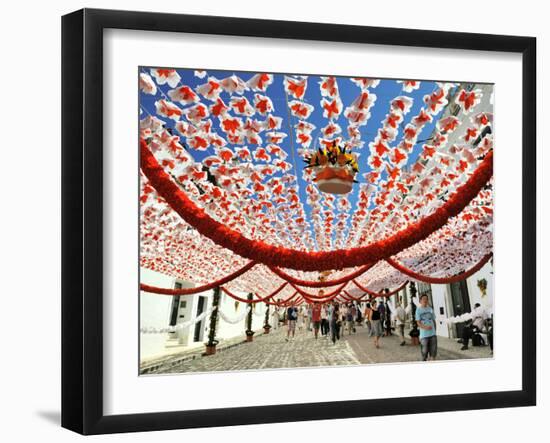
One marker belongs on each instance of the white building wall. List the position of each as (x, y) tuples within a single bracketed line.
[(155, 311), (441, 298)]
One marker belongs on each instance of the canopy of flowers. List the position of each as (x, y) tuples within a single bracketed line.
[(222, 184)]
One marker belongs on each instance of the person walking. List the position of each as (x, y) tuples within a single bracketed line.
[(376, 325), (343, 318), (353, 316), (316, 318), (301, 315), (400, 318), (382, 310), (324, 321), (387, 316), (334, 327), (307, 318), (425, 319), (350, 315), (275, 318), (359, 317), (292, 317), (367, 319)]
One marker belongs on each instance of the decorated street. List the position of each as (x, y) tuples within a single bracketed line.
[(313, 200), (273, 351)]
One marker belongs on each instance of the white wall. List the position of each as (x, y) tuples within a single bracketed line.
[(31, 63), (155, 310), (441, 299)]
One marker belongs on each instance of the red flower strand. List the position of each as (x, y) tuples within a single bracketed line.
[(187, 291), (256, 300), (439, 280), (373, 294), (271, 255), (319, 284)]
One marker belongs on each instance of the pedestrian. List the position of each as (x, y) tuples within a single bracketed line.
[(376, 325), (479, 316), (350, 315), (324, 321), (301, 315), (400, 318), (387, 313), (334, 323), (343, 318), (275, 318), (425, 319), (359, 317), (382, 310), (292, 317), (316, 318), (330, 312), (366, 315), (307, 318)]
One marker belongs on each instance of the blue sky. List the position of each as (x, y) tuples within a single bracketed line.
[(385, 92)]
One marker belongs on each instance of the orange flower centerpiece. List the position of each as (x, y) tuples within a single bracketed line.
[(335, 169)]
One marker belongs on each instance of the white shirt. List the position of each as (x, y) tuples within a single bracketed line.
[(400, 315), (478, 317)]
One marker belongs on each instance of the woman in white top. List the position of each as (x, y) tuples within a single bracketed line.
[(301, 314), (275, 318)]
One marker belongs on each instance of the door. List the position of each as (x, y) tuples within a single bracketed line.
[(460, 301), (201, 304), (175, 306)]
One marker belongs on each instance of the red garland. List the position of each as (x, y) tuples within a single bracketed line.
[(319, 284), (270, 255), (285, 302), (378, 294), (257, 300), (439, 280), (187, 291), (319, 297)]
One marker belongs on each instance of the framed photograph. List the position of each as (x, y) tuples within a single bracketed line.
[(269, 221)]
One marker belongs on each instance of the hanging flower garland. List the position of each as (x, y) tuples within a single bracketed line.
[(377, 294), (196, 290), (256, 300), (310, 261), (322, 283), (439, 280)]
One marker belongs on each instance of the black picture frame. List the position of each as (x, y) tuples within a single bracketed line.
[(82, 218)]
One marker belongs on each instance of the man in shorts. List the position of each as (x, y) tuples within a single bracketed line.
[(292, 317), (400, 317), (425, 319), (316, 318)]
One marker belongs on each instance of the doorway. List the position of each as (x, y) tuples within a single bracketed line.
[(201, 304), (460, 302), (175, 306)]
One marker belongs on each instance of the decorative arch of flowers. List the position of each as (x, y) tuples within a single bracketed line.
[(223, 203)]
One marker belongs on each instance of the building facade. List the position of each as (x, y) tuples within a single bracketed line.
[(158, 312)]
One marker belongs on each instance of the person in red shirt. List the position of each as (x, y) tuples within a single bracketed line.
[(316, 318)]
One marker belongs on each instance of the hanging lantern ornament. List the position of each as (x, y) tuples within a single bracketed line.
[(335, 169), (323, 275)]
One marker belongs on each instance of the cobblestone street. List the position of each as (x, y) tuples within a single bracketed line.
[(273, 351)]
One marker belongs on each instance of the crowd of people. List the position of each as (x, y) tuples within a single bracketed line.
[(333, 320)]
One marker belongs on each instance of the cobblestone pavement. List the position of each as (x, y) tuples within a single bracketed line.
[(390, 350), (273, 351)]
